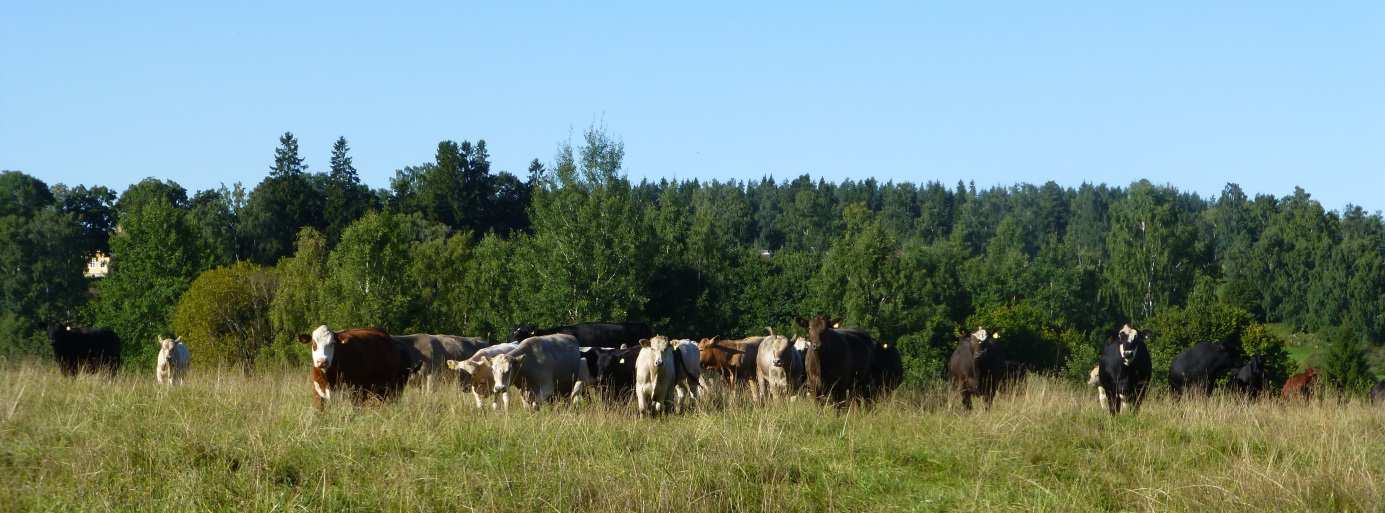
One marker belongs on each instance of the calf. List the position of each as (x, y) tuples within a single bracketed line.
[(977, 366), (654, 375), (779, 368), (1125, 370), (591, 334), (733, 359), (541, 367), (1250, 378), (79, 349), (612, 370), (688, 371), (838, 361), (1300, 386), (363, 360), (1199, 367), (171, 366), (475, 372)]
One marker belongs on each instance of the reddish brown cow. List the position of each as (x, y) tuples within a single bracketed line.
[(1300, 386), (734, 359), (362, 360)]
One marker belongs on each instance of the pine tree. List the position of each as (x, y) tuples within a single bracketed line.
[(286, 159)]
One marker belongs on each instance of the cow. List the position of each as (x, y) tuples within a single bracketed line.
[(887, 369), (838, 360), (733, 359), (365, 361), (1249, 379), (81, 349), (655, 372), (1378, 392), (429, 354), (1125, 370), (779, 368), (591, 334), (612, 370), (171, 365), (1199, 367), (977, 366), (1094, 381), (540, 368), (1300, 386), (475, 372), (688, 372)]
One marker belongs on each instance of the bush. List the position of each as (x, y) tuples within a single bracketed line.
[(1345, 363), (224, 315), (1027, 335), (925, 353), (1259, 340)]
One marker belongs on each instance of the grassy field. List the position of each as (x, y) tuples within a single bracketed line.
[(225, 442)]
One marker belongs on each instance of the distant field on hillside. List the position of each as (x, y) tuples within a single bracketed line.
[(225, 442)]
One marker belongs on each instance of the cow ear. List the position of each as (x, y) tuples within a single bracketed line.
[(837, 323), (304, 338), (520, 358), (644, 342), (178, 340)]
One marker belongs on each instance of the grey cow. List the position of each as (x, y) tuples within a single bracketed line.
[(428, 354), (540, 368)]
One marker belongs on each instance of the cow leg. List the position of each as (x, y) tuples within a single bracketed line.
[(966, 399), (576, 391)]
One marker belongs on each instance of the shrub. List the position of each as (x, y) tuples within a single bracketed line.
[(224, 315)]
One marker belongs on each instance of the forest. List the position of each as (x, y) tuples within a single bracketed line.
[(453, 246)]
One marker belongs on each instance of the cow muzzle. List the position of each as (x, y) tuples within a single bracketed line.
[(498, 389), (778, 362), (320, 362)]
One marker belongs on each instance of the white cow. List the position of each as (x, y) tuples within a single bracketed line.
[(171, 366), (476, 372), (688, 378), (778, 368), (540, 367), (655, 372)]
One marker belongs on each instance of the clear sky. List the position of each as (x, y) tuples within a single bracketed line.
[(1268, 94)]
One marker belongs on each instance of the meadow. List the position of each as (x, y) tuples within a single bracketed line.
[(228, 442)]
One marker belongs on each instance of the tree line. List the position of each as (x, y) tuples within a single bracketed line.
[(452, 246)]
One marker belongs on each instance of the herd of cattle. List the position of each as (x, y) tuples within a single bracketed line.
[(614, 360)]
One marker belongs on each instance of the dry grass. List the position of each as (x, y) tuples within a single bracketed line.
[(225, 442)]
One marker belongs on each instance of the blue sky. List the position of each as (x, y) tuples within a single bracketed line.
[(1267, 94)]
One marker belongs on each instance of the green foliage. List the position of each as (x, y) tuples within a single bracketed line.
[(22, 195), (1151, 247), (94, 210), (1345, 364), (298, 305), (367, 274), (286, 201), (224, 317), (1176, 329), (344, 198), (1027, 335), (438, 271), (153, 260), (925, 352)]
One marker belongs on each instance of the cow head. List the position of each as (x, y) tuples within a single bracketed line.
[(165, 350), (503, 367), (817, 326), (658, 345), (522, 332), (1130, 343), (981, 342), (323, 344), (778, 346)]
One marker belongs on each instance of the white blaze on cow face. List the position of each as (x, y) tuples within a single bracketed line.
[(1127, 346), (503, 370), (324, 345)]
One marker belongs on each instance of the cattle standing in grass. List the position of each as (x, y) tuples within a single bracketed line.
[(475, 372), (977, 366), (887, 368), (1300, 386), (171, 365), (79, 349), (541, 368), (734, 359), (688, 372), (1250, 378), (779, 368), (428, 354), (838, 361), (612, 370), (654, 374), (591, 334), (1199, 367), (1378, 392), (363, 360), (1125, 370)]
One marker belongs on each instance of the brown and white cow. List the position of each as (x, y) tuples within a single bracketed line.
[(363, 361), (476, 372)]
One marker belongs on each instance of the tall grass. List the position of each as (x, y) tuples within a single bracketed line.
[(226, 442)]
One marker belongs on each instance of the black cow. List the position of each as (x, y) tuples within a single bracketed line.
[(612, 370), (1250, 378), (1199, 367), (838, 361), (887, 368), (1125, 370), (79, 349), (977, 366), (1378, 392), (592, 334)]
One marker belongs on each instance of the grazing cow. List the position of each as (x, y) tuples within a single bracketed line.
[(79, 349), (540, 368), (838, 361), (591, 334), (734, 359), (887, 368), (779, 368), (475, 372), (1125, 370), (1300, 386), (688, 376), (612, 370), (977, 366), (1250, 378), (171, 366), (1378, 392), (1094, 381), (1199, 367), (363, 360), (428, 354), (654, 374)]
